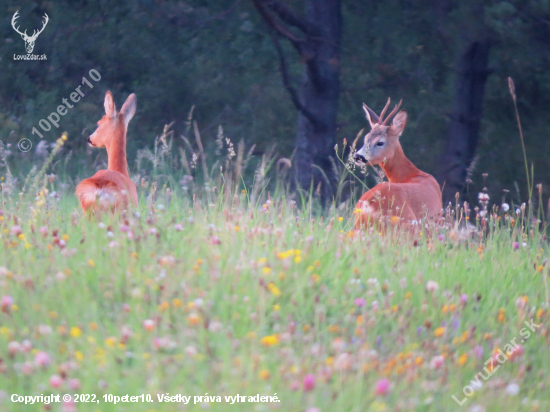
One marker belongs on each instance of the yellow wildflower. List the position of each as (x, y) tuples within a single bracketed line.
[(269, 340), (273, 289), (75, 332), (439, 332)]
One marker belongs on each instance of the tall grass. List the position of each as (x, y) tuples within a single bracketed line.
[(224, 284)]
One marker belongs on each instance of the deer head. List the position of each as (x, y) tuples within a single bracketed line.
[(113, 124), (380, 142), (29, 40)]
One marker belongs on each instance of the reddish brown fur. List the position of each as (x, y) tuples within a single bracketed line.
[(410, 194), (111, 189)]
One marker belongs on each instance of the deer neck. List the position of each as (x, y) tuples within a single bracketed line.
[(398, 168), (116, 152)]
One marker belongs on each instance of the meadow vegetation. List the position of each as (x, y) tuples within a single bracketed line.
[(216, 287)]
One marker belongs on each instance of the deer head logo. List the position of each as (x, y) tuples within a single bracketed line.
[(29, 40)]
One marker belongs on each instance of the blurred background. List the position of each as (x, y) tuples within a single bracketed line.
[(292, 73)]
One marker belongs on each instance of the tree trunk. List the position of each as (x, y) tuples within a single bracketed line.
[(463, 133), (319, 93)]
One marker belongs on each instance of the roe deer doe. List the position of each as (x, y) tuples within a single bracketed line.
[(410, 193), (111, 189)]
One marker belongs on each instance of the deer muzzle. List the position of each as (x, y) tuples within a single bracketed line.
[(360, 157)]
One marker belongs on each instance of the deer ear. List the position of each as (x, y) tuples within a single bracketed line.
[(129, 108), (371, 116), (399, 122), (110, 109)]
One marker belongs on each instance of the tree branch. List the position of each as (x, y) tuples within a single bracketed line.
[(286, 82), (268, 18), (288, 16)]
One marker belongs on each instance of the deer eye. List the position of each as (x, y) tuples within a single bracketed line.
[(380, 144)]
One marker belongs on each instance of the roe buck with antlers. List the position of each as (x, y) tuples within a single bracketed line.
[(111, 189), (410, 193), (29, 40)]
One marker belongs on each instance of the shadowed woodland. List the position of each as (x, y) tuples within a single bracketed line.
[(294, 74)]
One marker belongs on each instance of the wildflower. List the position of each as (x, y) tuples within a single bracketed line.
[(191, 351), (110, 342), (359, 302), (512, 389), (42, 359), (309, 382), (14, 347), (176, 303), (264, 374), (266, 270), (6, 303), (75, 332), (483, 197), (91, 263), (517, 351), (163, 306), (431, 286), (149, 325), (163, 343), (269, 340), (438, 332), (343, 361), (216, 240), (193, 319), (462, 360), (16, 230), (505, 207), (437, 362), (55, 381), (515, 245), (214, 326), (273, 289), (382, 387), (501, 315)]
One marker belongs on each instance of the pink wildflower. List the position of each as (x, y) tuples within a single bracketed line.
[(55, 381), (382, 387), (42, 359), (309, 382)]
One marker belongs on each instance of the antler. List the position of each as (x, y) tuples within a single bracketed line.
[(384, 111), (35, 33), (383, 121), (15, 17)]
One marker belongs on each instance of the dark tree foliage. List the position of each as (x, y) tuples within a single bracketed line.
[(448, 60)]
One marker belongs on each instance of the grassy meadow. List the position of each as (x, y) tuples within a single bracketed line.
[(212, 292)]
